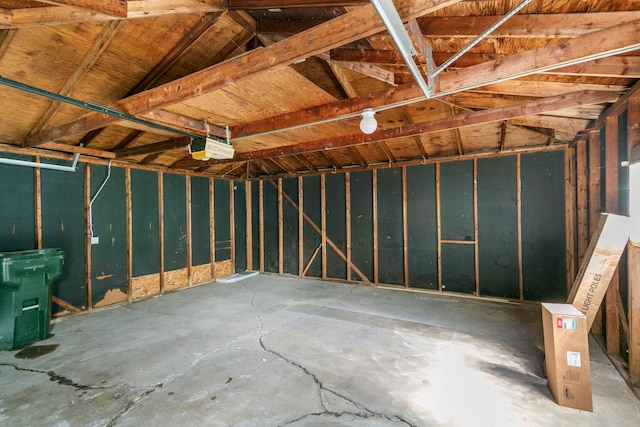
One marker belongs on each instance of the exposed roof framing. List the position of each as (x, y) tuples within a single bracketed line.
[(290, 80)]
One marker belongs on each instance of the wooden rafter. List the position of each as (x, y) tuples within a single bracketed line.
[(461, 120), (158, 147), (90, 12), (289, 4), (302, 159), (625, 36), (359, 23)]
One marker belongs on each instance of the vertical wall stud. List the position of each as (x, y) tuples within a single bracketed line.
[(439, 226), (232, 224), (347, 191), (189, 232), (405, 228), (129, 231), (570, 215), (323, 225), (161, 227), (519, 212), (212, 228), (475, 225), (280, 229), (375, 226), (261, 223), (581, 194), (87, 201), (300, 228), (249, 227), (38, 204), (611, 205)]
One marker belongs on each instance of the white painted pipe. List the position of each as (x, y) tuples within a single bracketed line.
[(634, 194), (26, 163)]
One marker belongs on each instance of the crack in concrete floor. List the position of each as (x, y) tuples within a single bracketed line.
[(363, 413), (53, 376)]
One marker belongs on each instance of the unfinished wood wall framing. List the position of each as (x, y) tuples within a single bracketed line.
[(156, 230), (470, 226), (605, 154)]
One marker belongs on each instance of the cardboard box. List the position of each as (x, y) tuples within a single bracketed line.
[(566, 349), (599, 264)]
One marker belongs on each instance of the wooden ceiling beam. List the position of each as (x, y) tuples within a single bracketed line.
[(461, 120), (584, 48), (60, 15), (518, 26), (290, 4), (158, 147), (359, 23), (556, 25), (116, 8)]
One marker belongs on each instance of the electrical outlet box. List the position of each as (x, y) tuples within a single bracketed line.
[(95, 240)]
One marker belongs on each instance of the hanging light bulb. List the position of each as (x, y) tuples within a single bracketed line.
[(368, 124)]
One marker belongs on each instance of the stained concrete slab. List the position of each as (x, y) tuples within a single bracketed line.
[(273, 351)]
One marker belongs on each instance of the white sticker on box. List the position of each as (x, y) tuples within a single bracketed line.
[(573, 359), (569, 324)]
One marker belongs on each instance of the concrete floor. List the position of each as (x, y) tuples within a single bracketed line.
[(272, 351)]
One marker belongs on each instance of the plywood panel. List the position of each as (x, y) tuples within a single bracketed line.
[(498, 227), (201, 274), (390, 244), (145, 286), (422, 227), (17, 219)]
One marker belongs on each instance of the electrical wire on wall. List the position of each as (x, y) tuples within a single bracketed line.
[(94, 198)]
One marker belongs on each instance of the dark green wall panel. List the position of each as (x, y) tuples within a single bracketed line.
[(456, 198), (422, 227), (458, 268), (498, 227), (270, 221), (312, 208), (175, 222), (200, 223), (390, 236), (222, 215), (335, 202), (362, 223), (255, 224), (290, 226), (543, 226), (240, 225), (109, 213), (17, 207), (63, 226), (144, 223)]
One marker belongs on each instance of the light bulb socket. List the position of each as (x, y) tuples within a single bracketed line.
[(368, 124)]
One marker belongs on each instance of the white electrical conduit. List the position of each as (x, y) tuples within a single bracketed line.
[(94, 198), (30, 164)]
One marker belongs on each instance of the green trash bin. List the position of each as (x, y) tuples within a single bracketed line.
[(25, 295)]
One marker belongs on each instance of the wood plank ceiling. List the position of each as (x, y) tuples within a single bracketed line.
[(290, 78)]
